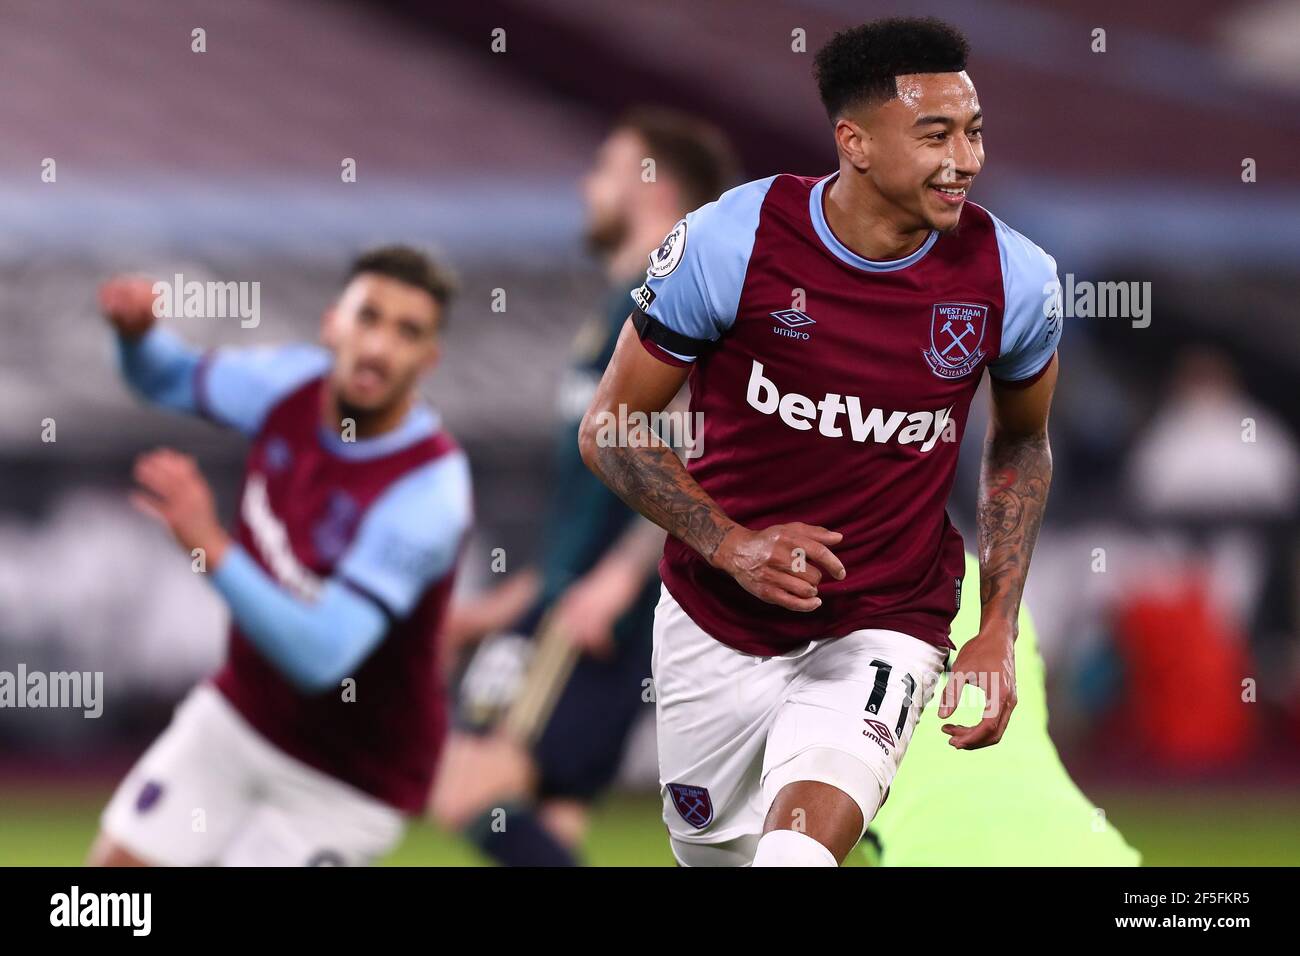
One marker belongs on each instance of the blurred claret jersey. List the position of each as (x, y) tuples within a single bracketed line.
[(381, 519), (1012, 804)]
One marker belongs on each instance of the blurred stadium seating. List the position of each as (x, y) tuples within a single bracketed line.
[(1125, 165)]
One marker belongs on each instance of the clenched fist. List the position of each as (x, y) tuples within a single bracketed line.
[(127, 304), (783, 564)]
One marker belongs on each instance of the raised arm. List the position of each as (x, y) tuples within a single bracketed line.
[(158, 365), (233, 387)]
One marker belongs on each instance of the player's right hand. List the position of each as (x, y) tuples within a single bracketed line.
[(127, 304), (783, 564)]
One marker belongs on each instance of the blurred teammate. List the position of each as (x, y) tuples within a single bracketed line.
[(835, 330), (596, 586), (1009, 805), (323, 726)]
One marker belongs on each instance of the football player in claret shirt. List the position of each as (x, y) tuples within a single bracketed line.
[(834, 330), (321, 731)]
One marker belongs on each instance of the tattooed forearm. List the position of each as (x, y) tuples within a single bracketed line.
[(1014, 477), (653, 480)]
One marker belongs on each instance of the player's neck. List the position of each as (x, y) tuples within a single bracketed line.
[(865, 222), (368, 424), (629, 260)]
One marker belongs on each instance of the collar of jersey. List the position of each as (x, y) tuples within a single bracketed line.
[(843, 252), (420, 423)]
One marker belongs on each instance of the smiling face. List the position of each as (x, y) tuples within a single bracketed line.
[(922, 148), (384, 335)]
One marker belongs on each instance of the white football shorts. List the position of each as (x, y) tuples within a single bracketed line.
[(212, 791), (734, 729)]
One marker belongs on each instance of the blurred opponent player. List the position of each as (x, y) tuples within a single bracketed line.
[(590, 605), (323, 727), (835, 330), (1009, 805)]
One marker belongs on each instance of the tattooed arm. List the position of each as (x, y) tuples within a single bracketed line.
[(648, 475), (1015, 474), (1014, 478)]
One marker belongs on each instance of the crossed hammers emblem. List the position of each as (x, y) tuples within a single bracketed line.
[(956, 342), (694, 808)]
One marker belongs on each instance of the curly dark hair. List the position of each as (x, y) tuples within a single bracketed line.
[(409, 265), (859, 66)]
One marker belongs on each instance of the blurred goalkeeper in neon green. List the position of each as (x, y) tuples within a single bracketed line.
[(1009, 805)]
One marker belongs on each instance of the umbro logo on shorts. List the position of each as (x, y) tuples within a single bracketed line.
[(693, 804), (878, 732)]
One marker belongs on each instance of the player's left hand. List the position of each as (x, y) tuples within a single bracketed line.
[(174, 492), (587, 611), (986, 661)]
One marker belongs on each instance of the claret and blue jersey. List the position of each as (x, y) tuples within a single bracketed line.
[(343, 566), (834, 391)]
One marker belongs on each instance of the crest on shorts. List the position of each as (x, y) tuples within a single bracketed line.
[(148, 796), (693, 804), (956, 337)]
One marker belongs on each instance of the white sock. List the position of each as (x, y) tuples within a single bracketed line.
[(791, 848)]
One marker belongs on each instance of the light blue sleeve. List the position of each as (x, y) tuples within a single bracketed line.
[(237, 387), (1031, 323), (161, 367), (408, 539), (693, 285), (411, 535), (315, 644)]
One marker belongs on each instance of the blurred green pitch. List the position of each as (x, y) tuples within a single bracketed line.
[(54, 826)]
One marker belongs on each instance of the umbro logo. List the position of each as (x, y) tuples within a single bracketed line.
[(791, 320), (878, 732)]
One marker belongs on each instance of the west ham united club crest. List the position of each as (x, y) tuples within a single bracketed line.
[(693, 804), (333, 531), (956, 337)]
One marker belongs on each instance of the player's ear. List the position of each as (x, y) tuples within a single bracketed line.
[(853, 143)]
